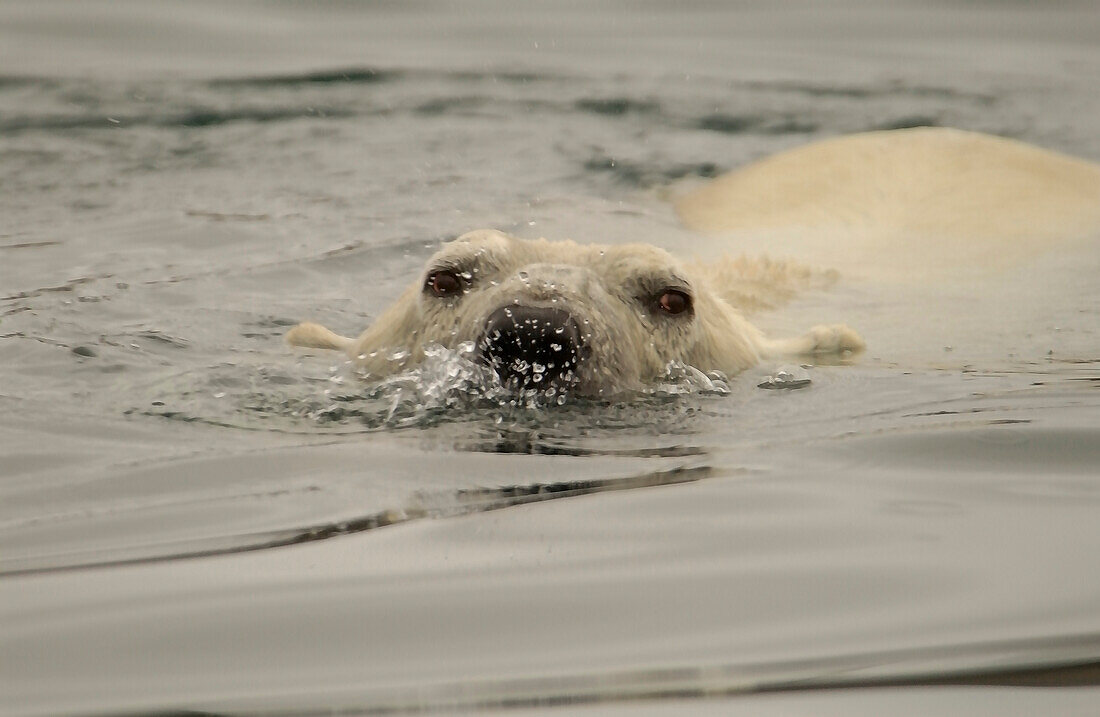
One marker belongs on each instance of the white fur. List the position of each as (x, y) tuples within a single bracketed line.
[(905, 205), (608, 290)]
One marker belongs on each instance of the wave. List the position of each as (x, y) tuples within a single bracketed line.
[(194, 118)]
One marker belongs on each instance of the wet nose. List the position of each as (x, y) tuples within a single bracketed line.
[(531, 345)]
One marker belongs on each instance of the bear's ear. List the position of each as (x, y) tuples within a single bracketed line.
[(393, 340)]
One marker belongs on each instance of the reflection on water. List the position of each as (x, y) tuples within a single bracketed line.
[(422, 505)]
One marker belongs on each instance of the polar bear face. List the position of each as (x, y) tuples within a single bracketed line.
[(595, 319), (591, 320)]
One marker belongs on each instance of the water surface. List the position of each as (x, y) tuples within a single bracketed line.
[(194, 516)]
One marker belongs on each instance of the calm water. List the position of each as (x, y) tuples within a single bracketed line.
[(193, 516)]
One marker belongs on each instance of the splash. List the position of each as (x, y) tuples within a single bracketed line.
[(447, 386), (454, 384)]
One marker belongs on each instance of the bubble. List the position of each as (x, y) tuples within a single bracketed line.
[(786, 378), (681, 379)]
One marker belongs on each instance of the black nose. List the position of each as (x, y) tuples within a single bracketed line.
[(533, 346)]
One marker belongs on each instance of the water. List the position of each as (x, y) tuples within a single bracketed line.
[(194, 516)]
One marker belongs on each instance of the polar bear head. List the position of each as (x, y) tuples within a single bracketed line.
[(597, 320)]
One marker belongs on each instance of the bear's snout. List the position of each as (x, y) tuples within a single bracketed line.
[(532, 346)]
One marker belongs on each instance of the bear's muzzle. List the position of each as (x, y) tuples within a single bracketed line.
[(532, 347)]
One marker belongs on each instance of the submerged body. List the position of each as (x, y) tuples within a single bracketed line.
[(597, 320), (905, 205)]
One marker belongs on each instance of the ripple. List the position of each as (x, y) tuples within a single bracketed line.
[(448, 386)]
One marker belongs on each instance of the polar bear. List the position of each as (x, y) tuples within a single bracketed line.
[(899, 206), (594, 320)]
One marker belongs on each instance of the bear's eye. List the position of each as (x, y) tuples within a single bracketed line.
[(444, 283), (673, 301)]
